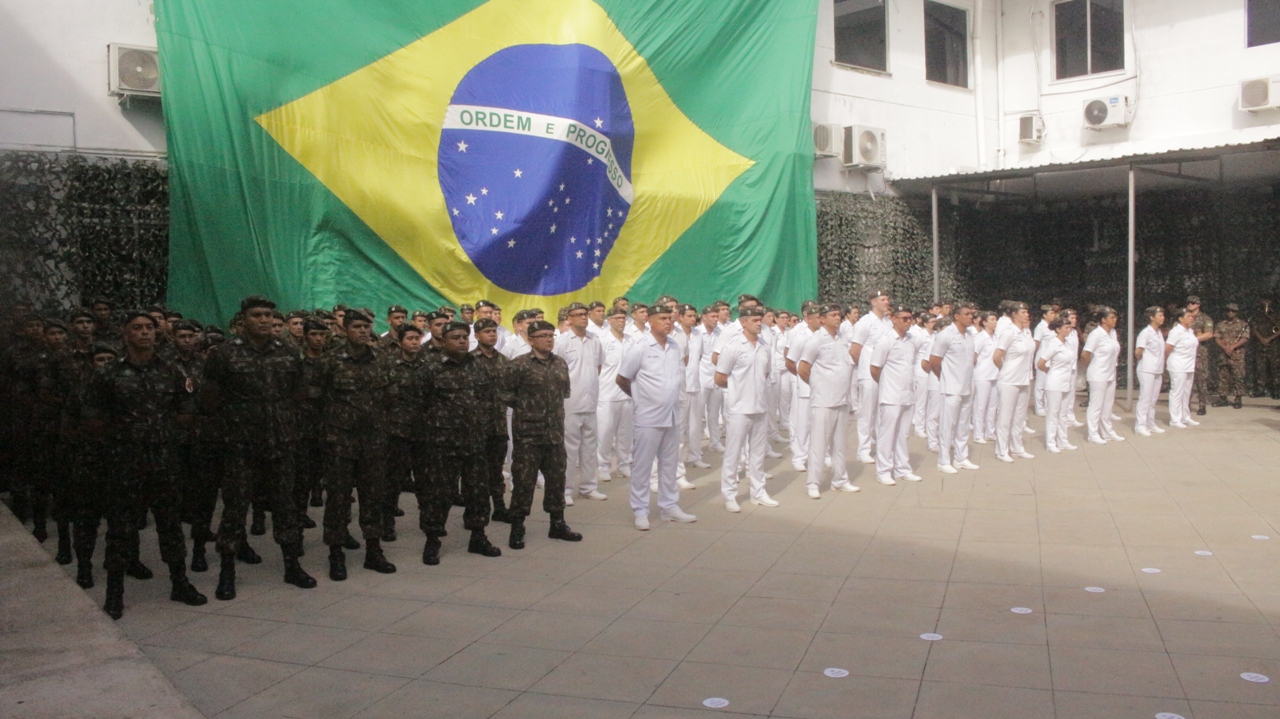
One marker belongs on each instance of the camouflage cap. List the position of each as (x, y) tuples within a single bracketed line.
[(256, 301)]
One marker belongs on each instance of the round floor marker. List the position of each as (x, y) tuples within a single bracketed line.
[(1261, 536), (1255, 677), (1169, 715), (1151, 570), (836, 672), (1204, 552), (1095, 590), (931, 636), (715, 703), (1021, 610)]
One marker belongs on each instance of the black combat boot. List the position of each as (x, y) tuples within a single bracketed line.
[(517, 533), (226, 590), (389, 531), (84, 574), (138, 570), (246, 554), (182, 590), (374, 558), (1239, 403), (64, 543), (337, 564), (1221, 401), (293, 572), (397, 512), (259, 525), (560, 530), (481, 545), (114, 606), (1200, 412), (350, 543), (317, 499), (305, 521), (199, 559), (41, 529), (500, 513), (431, 550)]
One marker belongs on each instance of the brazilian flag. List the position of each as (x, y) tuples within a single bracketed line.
[(532, 152)]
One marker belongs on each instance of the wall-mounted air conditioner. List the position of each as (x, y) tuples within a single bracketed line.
[(1260, 94), (1031, 129), (828, 140), (864, 147), (133, 70), (1106, 112)]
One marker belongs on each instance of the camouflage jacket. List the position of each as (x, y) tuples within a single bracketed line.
[(63, 379), (252, 392), (496, 366), (311, 404), (1203, 323), (404, 409), (536, 389), (355, 388), (139, 404), (458, 397), (1231, 331), (20, 368)]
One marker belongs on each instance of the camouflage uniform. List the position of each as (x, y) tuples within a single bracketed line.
[(1266, 357), (1200, 390), (1231, 366), (495, 437), (63, 377), (310, 454), (536, 389), (405, 448), (20, 368), (251, 392), (458, 399), (355, 388)]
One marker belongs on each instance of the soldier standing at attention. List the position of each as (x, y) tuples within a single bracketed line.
[(310, 453), (495, 437), (252, 384), (405, 364), (535, 386), (1266, 360), (1231, 334), (582, 354), (396, 316), (197, 490), (355, 387), (458, 398), (137, 402), (1202, 327)]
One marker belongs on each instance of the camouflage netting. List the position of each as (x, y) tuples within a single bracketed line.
[(73, 228)]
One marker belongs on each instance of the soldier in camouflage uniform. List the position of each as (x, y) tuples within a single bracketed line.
[(45, 431), (1202, 326), (198, 458), (1231, 335), (19, 375), (138, 402), (105, 330), (495, 438), (396, 316), (1266, 354), (457, 399), (88, 474), (535, 386), (310, 453), (66, 374), (405, 363), (355, 387), (252, 385)]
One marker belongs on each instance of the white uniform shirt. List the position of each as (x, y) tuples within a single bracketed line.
[(630, 329), (846, 329), (1018, 350), (1105, 348), (867, 332), (1185, 344), (706, 370), (515, 346), (729, 331), (1151, 342), (746, 364), (984, 345), (656, 380), (895, 356), (693, 356), (584, 357), (924, 349), (596, 330), (795, 345), (611, 349), (830, 368), (956, 351), (1073, 341), (1060, 359)]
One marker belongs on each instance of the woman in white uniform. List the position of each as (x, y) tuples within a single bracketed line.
[(1073, 341), (985, 374), (1101, 354), (1055, 361), (1014, 349), (1180, 360), (1149, 354)]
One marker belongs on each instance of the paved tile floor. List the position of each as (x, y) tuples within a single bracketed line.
[(753, 607)]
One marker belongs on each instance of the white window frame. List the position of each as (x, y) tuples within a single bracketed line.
[(1053, 45)]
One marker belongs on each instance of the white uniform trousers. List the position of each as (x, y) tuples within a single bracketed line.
[(615, 433), (685, 415), (953, 428), (1011, 417), (1180, 396), (785, 381), (829, 434), (920, 386), (1148, 392), (744, 434), (1056, 423), (893, 426), (985, 401), (799, 425), (932, 417), (697, 420), (1102, 397), (663, 445), (771, 414), (868, 408), (583, 452), (712, 404), (1039, 393)]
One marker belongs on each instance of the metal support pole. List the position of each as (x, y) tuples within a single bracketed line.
[(937, 289), (1133, 233)]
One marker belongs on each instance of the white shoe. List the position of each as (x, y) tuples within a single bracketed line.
[(1142, 432), (764, 500), (798, 467), (991, 440), (814, 493), (732, 505), (1068, 445), (683, 483), (604, 477), (1178, 425), (921, 435), (1039, 413), (827, 462), (948, 469), (910, 477), (1192, 422), (1097, 440), (678, 515), (1115, 437), (568, 500), (1055, 450), (642, 522), (1024, 455), (653, 485), (701, 465), (866, 459), (1157, 429), (624, 471), (1028, 430), (885, 480), (717, 450), (772, 453), (1115, 417), (965, 464), (1004, 458), (847, 487), (979, 440), (768, 476), (593, 494), (1076, 423)]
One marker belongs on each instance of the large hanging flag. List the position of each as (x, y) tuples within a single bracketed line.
[(532, 152)]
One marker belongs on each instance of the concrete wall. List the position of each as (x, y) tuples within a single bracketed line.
[(1184, 62), (53, 58)]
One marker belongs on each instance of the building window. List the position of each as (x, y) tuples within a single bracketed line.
[(946, 44), (1088, 37), (1264, 22), (861, 36)]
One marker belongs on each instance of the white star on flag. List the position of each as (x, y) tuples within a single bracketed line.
[(455, 212), (595, 265), (579, 254), (611, 225), (573, 240), (599, 122), (553, 229), (493, 230), (562, 187), (511, 243), (566, 200), (550, 203), (498, 214), (519, 172), (462, 146), (597, 253), (471, 199), (591, 161), (608, 212), (484, 190)]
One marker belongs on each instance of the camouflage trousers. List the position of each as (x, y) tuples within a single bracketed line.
[(1267, 367), (1200, 388), (405, 467), (495, 454), (440, 481), (308, 470), (247, 474), (365, 474), (529, 458), (137, 479), (200, 478), (1231, 374)]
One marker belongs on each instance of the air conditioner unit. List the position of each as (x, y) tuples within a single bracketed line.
[(864, 147), (133, 70), (1260, 94), (828, 140), (1031, 129), (1105, 112)]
